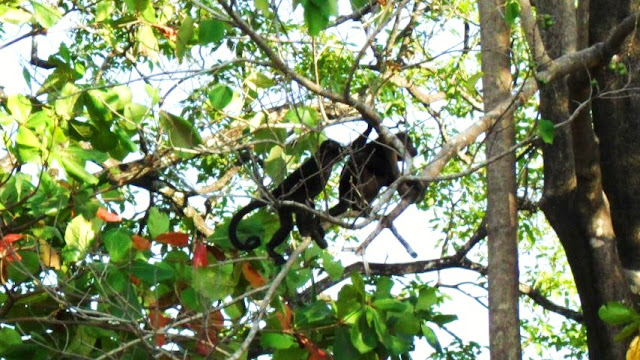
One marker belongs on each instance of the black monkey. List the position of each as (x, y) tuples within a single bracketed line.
[(369, 169), (301, 186)]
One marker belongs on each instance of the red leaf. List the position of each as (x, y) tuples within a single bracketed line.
[(157, 321), (200, 255), (285, 318), (174, 238), (107, 216), (315, 352), (140, 243), (12, 237), (252, 275), (134, 280)]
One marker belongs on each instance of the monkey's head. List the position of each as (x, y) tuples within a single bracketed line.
[(330, 150), (408, 144)]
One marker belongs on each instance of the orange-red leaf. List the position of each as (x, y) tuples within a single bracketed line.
[(157, 321), (12, 237), (134, 280), (252, 275), (200, 255), (285, 318), (140, 243), (174, 238), (108, 216), (167, 31), (315, 352)]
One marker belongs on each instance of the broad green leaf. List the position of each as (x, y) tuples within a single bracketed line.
[(303, 115), (19, 106), (96, 105), (627, 331), (23, 270), (616, 313), (427, 298), (75, 169), (118, 244), (66, 102), (383, 287), (443, 319), (118, 97), (78, 237), (82, 342), (133, 115), (152, 273), (15, 16), (189, 298), (211, 31), (268, 138), (45, 16), (258, 80), (215, 283), (334, 268), (27, 138), (406, 323), (147, 42), (546, 130), (220, 96), (158, 222), (263, 5), (185, 34), (181, 132), (511, 12), (391, 305), (362, 336), (342, 347), (9, 337), (317, 14), (153, 93), (277, 341), (315, 314), (28, 145), (275, 165), (431, 337), (104, 9), (137, 5)]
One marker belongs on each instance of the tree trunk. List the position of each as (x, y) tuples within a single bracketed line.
[(504, 324), (573, 199)]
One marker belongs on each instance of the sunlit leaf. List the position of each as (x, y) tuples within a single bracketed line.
[(211, 31), (181, 132), (140, 243), (252, 275), (178, 239), (107, 216), (45, 15), (78, 237), (158, 222), (220, 96)]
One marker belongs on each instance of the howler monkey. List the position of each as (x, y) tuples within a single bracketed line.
[(367, 170), (301, 186)]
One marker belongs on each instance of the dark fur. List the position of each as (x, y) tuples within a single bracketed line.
[(301, 186), (367, 171)]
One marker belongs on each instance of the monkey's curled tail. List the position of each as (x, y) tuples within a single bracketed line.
[(253, 241)]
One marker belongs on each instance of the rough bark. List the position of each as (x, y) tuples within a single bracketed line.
[(504, 325), (573, 200)]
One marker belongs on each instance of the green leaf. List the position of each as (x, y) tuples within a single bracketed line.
[(181, 132), (303, 115), (220, 96), (20, 271), (342, 347), (75, 168), (383, 287), (45, 16), (133, 115), (427, 298), (334, 268), (546, 130), (628, 331), (211, 31), (616, 313), (185, 34), (392, 305), (314, 314), (152, 273), (215, 283), (511, 12), (15, 16), (82, 342), (104, 9), (27, 138), (118, 244), (431, 338), (189, 298), (158, 222), (78, 237), (362, 337), (317, 14), (8, 338), (19, 106), (277, 341), (66, 102), (275, 165), (257, 80), (147, 42)]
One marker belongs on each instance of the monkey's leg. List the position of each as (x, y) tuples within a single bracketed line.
[(309, 225), (286, 225)]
